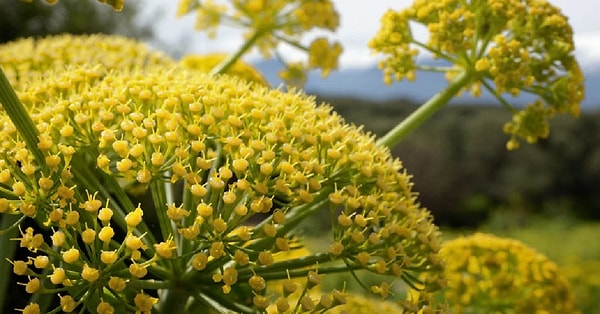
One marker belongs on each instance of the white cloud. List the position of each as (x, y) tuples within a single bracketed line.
[(587, 48)]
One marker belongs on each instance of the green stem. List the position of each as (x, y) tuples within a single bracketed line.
[(498, 97), (20, 118), (174, 300), (150, 284), (279, 269), (415, 119), (226, 64), (8, 251), (159, 197)]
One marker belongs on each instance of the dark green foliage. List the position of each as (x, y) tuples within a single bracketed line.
[(463, 171), (37, 18)]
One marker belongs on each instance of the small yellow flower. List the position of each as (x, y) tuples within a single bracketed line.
[(257, 283), (117, 283), (199, 261), (41, 261), (137, 270), (20, 267), (165, 249), (88, 236), (109, 257), (32, 308), (89, 274), (134, 217), (134, 242), (105, 308), (58, 276), (106, 234), (71, 256), (144, 303), (67, 303)]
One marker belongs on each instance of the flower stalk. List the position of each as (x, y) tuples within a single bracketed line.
[(425, 111), (233, 58), (7, 251)]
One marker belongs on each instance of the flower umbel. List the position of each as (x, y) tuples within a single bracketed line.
[(503, 47), (490, 274), (269, 24), (26, 60), (210, 153)]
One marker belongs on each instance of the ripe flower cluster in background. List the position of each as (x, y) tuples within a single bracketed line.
[(487, 274), (272, 23), (504, 47)]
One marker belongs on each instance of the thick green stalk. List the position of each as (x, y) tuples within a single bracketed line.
[(20, 118), (425, 111), (174, 299), (159, 197), (7, 251), (231, 59)]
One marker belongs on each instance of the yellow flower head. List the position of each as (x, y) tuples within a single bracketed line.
[(26, 60), (486, 273), (506, 47), (229, 151), (324, 56)]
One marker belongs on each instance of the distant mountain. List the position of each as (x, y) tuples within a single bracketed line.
[(367, 83)]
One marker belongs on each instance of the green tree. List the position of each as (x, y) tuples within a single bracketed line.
[(22, 19)]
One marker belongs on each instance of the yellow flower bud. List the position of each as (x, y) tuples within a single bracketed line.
[(137, 270), (33, 285), (134, 218), (105, 308), (89, 274), (106, 234), (20, 267), (200, 260), (67, 303), (117, 283), (58, 238), (88, 236), (32, 308), (71, 256), (257, 283), (109, 257)]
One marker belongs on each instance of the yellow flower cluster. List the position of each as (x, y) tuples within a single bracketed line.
[(487, 274), (504, 46), (26, 60), (323, 55), (211, 152), (272, 22), (205, 64)]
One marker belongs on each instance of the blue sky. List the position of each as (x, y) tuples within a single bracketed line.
[(359, 22)]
